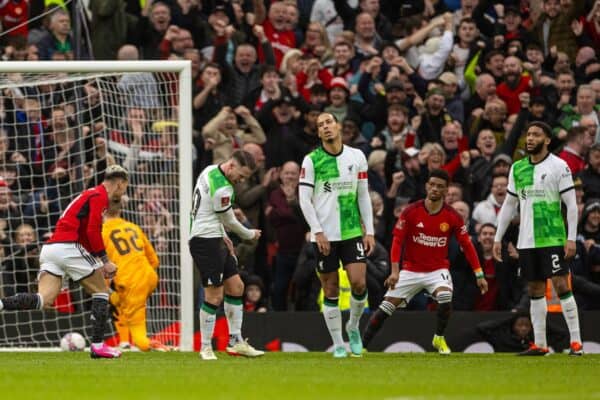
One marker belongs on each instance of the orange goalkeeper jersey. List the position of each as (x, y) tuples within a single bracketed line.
[(129, 248)]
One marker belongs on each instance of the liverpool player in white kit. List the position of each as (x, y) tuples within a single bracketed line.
[(334, 197), (213, 252), (539, 184), (421, 239)]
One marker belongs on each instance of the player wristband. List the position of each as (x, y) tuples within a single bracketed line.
[(478, 273)]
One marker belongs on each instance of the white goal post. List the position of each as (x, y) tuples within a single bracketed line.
[(177, 178)]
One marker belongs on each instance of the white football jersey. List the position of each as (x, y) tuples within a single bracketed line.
[(334, 179), (213, 194), (539, 187)]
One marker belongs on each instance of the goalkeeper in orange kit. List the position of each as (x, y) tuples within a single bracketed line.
[(129, 248)]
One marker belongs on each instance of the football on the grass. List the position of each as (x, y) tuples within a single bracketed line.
[(72, 342)]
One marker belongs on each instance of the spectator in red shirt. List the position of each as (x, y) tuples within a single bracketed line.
[(14, 13), (514, 84), (72, 251), (485, 239), (276, 28), (578, 144)]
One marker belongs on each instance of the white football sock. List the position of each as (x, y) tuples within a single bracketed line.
[(569, 310), (357, 306), (333, 320), (538, 310)]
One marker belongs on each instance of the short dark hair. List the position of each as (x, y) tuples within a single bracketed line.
[(441, 174), (267, 69), (595, 147), (542, 125), (244, 159), (487, 225)]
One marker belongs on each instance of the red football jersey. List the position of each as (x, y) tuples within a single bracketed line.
[(422, 238), (282, 42), (81, 221)]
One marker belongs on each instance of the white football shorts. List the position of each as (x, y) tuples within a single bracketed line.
[(411, 283), (70, 259)]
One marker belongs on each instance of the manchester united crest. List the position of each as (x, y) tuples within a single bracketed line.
[(444, 227)]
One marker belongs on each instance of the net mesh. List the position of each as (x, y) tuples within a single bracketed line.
[(58, 134)]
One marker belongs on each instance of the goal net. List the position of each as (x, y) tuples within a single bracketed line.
[(61, 125)]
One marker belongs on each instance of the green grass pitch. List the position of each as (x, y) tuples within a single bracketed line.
[(298, 376)]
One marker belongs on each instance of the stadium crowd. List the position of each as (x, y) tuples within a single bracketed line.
[(416, 85)]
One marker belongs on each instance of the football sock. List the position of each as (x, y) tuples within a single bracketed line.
[(99, 316), (538, 310), (357, 306), (235, 314), (376, 321), (208, 316), (23, 301), (1, 305), (444, 300), (333, 320), (569, 310)]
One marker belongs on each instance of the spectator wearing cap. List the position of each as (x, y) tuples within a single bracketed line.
[(243, 76), (577, 146), (433, 117), (339, 94), (590, 176), (553, 27), (351, 135), (454, 103), (403, 175), (280, 122), (276, 29), (513, 25)]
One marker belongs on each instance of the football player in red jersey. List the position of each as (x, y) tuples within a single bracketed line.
[(73, 250), (421, 238)]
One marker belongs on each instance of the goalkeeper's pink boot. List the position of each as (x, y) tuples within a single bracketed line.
[(104, 351)]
